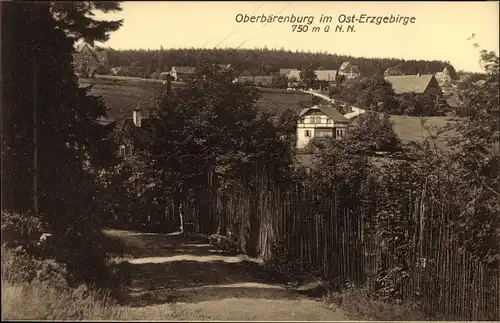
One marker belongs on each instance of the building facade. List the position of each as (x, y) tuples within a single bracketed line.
[(320, 122), (88, 59)]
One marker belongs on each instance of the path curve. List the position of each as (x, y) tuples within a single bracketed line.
[(178, 278)]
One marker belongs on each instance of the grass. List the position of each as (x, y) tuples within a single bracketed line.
[(280, 101), (38, 289), (123, 96), (356, 304), (410, 128), (121, 99), (41, 301)]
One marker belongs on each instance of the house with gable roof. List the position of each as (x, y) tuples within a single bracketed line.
[(418, 84), (393, 71), (350, 71), (88, 59), (445, 76), (320, 121)]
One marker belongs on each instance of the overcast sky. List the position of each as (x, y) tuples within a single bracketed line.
[(440, 30)]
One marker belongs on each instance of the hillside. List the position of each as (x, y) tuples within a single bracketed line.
[(280, 100), (410, 129), (122, 95)]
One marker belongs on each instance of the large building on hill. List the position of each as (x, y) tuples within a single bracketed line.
[(350, 71), (418, 84), (446, 76), (320, 121)]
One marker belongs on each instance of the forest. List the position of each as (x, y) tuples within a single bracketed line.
[(262, 61)]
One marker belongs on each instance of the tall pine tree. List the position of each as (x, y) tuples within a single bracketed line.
[(48, 122)]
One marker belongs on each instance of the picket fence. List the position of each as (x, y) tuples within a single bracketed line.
[(338, 242)]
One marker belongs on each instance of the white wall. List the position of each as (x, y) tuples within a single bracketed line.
[(302, 140), (302, 127)]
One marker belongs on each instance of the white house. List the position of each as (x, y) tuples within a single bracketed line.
[(320, 121)]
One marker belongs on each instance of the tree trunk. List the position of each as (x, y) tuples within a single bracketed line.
[(35, 137), (181, 218)]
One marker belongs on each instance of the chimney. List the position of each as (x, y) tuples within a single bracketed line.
[(137, 118)]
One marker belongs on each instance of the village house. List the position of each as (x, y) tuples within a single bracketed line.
[(326, 78), (259, 80), (393, 71), (286, 71), (130, 132), (414, 84), (445, 77), (88, 59), (292, 74), (182, 73), (320, 121), (350, 71)]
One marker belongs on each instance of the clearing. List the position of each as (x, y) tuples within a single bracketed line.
[(121, 95), (177, 278)]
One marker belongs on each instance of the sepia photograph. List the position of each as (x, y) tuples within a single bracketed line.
[(250, 161)]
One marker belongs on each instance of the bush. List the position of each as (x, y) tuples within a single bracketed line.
[(40, 301), (20, 267), (20, 229), (359, 305)]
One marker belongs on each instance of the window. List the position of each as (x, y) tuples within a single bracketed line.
[(121, 151), (128, 150), (323, 133), (317, 119), (301, 120), (340, 133), (308, 133)]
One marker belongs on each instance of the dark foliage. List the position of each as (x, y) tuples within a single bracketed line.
[(266, 62)]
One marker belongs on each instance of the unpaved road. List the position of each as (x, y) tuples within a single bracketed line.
[(177, 278)]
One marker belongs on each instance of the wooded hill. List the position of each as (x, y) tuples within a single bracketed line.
[(263, 61)]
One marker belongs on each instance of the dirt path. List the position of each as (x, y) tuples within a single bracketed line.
[(177, 278)]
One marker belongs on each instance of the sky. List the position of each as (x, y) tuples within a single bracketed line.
[(440, 30)]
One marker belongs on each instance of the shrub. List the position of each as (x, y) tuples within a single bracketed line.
[(359, 305), (40, 301), (18, 266), (20, 229)]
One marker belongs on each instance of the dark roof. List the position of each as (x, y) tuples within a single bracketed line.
[(409, 83), (329, 111)]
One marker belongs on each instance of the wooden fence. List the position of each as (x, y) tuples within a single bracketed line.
[(416, 259)]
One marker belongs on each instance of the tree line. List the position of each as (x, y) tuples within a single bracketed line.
[(262, 61)]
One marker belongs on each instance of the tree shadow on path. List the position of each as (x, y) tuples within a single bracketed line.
[(172, 268)]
